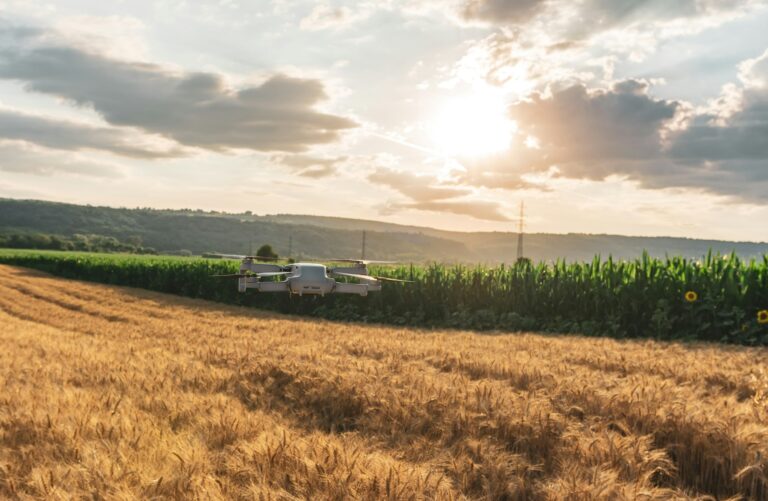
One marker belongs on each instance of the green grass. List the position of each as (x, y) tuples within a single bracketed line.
[(641, 298)]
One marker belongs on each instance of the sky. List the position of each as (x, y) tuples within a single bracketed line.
[(634, 117)]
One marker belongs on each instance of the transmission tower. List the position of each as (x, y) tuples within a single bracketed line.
[(521, 225)]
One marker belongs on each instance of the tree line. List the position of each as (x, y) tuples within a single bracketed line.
[(77, 242)]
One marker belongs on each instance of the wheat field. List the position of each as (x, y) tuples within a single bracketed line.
[(118, 393)]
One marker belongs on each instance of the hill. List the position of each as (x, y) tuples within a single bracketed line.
[(198, 232), (316, 236)]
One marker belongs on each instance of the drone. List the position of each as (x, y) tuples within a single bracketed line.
[(307, 278)]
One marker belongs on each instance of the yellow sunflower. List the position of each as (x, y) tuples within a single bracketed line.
[(762, 317), (691, 296)]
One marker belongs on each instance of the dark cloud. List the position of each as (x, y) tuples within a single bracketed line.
[(737, 180), (197, 109), (309, 166), (585, 134), (502, 11), (743, 137), (67, 135), (737, 129), (726, 150), (623, 131), (575, 126), (579, 20)]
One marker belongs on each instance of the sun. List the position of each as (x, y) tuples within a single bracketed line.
[(473, 125)]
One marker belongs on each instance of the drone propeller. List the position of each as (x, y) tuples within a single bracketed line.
[(371, 277), (398, 280), (263, 258), (241, 256), (224, 256), (360, 261), (253, 275)]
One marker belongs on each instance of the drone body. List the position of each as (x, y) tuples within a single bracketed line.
[(307, 278)]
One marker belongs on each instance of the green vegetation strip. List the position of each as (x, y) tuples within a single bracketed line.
[(721, 298)]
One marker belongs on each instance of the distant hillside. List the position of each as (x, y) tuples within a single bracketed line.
[(502, 246), (325, 237), (359, 225), (198, 232)]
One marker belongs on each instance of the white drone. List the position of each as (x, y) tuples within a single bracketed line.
[(307, 278)]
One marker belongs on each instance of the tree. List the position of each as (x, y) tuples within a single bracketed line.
[(524, 261), (266, 251)]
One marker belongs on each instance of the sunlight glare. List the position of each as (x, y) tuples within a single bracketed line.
[(473, 125)]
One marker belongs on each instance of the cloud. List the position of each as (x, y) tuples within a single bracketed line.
[(424, 194), (323, 17), (24, 158), (416, 187), (198, 109), (579, 20), (489, 211), (309, 166), (743, 137), (583, 133), (539, 42), (116, 36), (501, 11), (579, 126), (725, 148), (68, 135), (623, 131), (754, 72)]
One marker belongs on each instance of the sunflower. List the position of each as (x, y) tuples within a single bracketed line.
[(762, 317), (691, 296)]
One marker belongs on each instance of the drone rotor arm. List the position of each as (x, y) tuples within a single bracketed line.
[(273, 274), (371, 277)]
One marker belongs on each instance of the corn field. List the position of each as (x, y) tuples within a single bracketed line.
[(720, 298)]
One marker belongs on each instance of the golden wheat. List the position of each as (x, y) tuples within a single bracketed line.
[(118, 393)]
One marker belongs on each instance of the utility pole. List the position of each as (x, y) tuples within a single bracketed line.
[(520, 232), (363, 251)]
